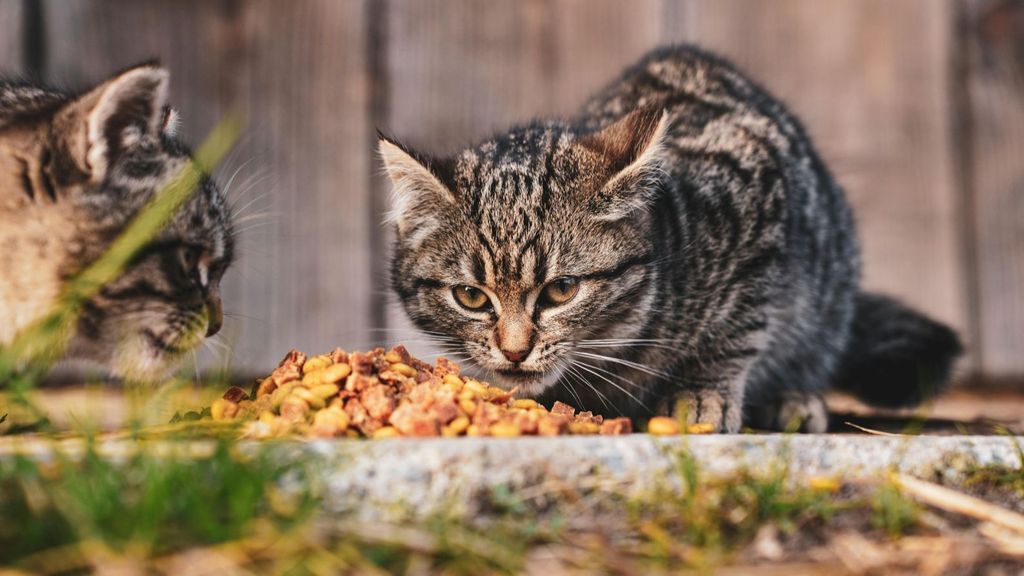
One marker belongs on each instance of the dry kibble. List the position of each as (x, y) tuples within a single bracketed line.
[(315, 402), (700, 428), (662, 426), (584, 428), (454, 381), (223, 409), (317, 363), (525, 403), (403, 369), (324, 391), (386, 432), (505, 430), (390, 394), (335, 373)]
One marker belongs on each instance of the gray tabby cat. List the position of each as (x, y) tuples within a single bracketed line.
[(74, 170), (677, 245)]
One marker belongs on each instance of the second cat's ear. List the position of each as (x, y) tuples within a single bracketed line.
[(633, 152), (418, 191), (112, 117)]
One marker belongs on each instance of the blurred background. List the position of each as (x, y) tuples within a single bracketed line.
[(917, 105)]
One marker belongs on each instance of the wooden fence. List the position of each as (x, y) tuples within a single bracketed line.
[(918, 106)]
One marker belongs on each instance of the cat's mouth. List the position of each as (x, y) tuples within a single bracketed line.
[(526, 382), (520, 374)]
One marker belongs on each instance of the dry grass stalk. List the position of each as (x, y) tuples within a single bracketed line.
[(953, 501)]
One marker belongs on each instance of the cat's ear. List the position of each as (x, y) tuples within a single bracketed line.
[(418, 188), (113, 117), (633, 150)]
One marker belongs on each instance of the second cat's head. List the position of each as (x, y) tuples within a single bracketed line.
[(80, 169), (519, 254)]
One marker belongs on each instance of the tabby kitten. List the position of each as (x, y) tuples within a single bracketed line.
[(74, 170), (677, 245)]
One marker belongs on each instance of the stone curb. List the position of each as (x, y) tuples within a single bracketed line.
[(392, 478)]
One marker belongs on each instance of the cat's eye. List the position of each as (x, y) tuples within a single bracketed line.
[(470, 298), (189, 257), (560, 291)]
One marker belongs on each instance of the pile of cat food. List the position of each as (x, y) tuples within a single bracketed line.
[(386, 394)]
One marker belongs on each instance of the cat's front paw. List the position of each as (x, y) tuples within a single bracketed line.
[(722, 413), (803, 412)]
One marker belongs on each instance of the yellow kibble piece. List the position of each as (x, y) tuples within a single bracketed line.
[(324, 391), (525, 404), (662, 426), (335, 373), (700, 428), (393, 357), (330, 422), (315, 402), (505, 430), (447, 432), (467, 406), (222, 409), (311, 379), (267, 417), (316, 363), (385, 432), (584, 428), (403, 369), (473, 430), (824, 483), (454, 380), (459, 425), (475, 387)]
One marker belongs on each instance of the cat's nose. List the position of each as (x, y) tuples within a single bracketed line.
[(214, 315), (516, 355)]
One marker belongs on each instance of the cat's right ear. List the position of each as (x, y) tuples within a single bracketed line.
[(109, 119), (417, 188)]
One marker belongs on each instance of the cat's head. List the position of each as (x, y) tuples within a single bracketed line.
[(515, 251), (86, 165)]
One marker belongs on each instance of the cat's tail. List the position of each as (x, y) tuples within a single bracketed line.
[(896, 357)]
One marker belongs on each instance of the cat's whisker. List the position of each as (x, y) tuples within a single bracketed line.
[(594, 370), (231, 180), (627, 363), (569, 372)]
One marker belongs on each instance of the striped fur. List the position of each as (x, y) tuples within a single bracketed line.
[(74, 170), (716, 256)]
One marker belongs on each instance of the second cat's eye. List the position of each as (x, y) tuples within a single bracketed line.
[(471, 298), (559, 291)]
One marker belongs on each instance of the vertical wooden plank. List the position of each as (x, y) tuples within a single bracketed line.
[(461, 70), (870, 79), (296, 71), (994, 76), (11, 27)]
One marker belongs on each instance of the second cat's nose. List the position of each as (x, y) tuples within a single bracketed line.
[(516, 355), (215, 315)]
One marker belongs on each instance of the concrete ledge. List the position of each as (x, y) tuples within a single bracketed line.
[(375, 476), (392, 478)]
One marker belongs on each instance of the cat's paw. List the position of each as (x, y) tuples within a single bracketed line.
[(803, 412), (711, 407)]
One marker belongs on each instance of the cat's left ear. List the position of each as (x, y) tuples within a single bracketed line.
[(419, 191), (633, 150), (113, 117)]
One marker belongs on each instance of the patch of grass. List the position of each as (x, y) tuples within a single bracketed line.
[(143, 505), (892, 511), (703, 520)]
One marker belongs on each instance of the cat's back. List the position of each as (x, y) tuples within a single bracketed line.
[(706, 97)]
